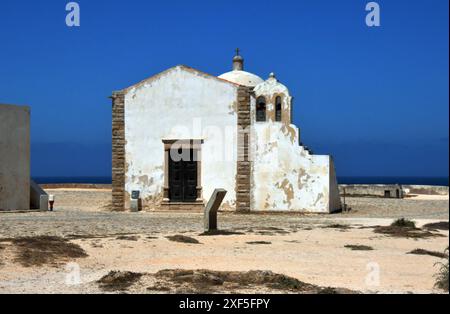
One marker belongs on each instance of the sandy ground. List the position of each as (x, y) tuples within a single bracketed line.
[(300, 246)]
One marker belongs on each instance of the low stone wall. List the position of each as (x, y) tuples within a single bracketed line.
[(74, 186), (390, 190), (426, 189), (351, 190), (371, 190)]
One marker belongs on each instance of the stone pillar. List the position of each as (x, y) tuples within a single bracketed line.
[(243, 142), (118, 151)]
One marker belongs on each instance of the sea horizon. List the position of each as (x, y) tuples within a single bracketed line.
[(435, 181)]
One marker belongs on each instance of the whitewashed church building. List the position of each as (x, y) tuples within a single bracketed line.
[(182, 133)]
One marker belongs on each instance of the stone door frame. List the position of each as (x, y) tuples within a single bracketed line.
[(190, 144)]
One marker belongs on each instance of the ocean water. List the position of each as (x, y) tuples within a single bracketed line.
[(442, 181), (91, 180)]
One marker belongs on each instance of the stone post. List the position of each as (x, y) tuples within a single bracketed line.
[(210, 214)]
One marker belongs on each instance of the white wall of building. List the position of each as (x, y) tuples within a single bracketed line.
[(180, 103), (14, 157), (285, 176)]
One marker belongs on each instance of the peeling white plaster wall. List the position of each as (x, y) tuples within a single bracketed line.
[(285, 177), (180, 104)]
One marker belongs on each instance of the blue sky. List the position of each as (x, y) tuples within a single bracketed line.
[(375, 98)]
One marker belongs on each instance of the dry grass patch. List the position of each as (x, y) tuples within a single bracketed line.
[(403, 232), (403, 228), (403, 223), (220, 232), (94, 236), (44, 250), (337, 226), (358, 247), (426, 252), (268, 231), (183, 239), (441, 225), (271, 230), (207, 281), (118, 280), (127, 238), (442, 275)]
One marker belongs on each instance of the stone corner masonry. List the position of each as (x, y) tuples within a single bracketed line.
[(118, 151), (243, 163)]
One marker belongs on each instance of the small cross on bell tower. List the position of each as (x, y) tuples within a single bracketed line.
[(238, 61)]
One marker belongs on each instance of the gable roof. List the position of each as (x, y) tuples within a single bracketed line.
[(182, 67)]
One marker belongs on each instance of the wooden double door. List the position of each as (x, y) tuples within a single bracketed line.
[(183, 176)]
